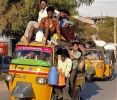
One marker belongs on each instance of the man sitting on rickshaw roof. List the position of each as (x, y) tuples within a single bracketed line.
[(42, 14), (48, 25), (66, 26)]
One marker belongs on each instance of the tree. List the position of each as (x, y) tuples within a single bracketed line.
[(15, 14), (106, 29), (84, 30)]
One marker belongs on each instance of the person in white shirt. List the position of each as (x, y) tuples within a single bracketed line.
[(64, 63), (42, 14)]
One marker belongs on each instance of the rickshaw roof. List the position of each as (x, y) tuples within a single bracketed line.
[(35, 44), (96, 48)]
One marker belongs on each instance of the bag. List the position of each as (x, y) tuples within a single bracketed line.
[(39, 36), (61, 81), (100, 43)]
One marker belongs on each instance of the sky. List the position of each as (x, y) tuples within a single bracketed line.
[(106, 7)]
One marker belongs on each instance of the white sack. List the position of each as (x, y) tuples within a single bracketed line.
[(109, 47), (39, 36), (100, 43)]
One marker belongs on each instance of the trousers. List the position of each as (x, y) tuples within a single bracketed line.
[(29, 25)]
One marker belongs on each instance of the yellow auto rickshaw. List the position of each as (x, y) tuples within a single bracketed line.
[(28, 74), (99, 63)]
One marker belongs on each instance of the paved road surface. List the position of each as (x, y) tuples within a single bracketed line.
[(99, 90), (4, 94)]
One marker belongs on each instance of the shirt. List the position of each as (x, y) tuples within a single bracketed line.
[(77, 56), (51, 24), (64, 21), (65, 66), (43, 13)]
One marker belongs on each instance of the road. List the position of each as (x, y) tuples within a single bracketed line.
[(98, 90), (4, 94), (101, 90)]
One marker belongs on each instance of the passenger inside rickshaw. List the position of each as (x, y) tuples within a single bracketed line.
[(95, 55), (37, 53), (46, 56)]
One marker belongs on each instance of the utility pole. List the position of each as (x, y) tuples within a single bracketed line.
[(115, 30)]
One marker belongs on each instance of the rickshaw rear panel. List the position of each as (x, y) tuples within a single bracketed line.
[(99, 62)]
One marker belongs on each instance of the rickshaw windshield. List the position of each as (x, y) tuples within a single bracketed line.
[(34, 53), (95, 55)]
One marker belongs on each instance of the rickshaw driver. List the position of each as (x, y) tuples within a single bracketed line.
[(31, 55), (64, 63)]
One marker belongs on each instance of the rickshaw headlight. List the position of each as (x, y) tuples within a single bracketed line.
[(41, 80), (9, 77), (99, 66)]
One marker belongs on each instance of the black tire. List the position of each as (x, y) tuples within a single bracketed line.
[(53, 97), (77, 94), (89, 78), (18, 99), (111, 77)]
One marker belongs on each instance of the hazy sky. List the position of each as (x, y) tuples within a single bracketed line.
[(106, 7)]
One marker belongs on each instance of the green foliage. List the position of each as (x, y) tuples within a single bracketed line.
[(84, 30), (15, 14), (3, 6), (86, 2), (18, 14), (106, 29)]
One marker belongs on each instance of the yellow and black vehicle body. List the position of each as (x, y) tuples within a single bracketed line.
[(28, 73), (99, 63)]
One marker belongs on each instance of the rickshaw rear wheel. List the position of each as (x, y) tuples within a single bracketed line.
[(89, 78), (77, 94), (111, 77), (54, 97)]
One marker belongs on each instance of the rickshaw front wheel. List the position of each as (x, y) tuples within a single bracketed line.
[(77, 94), (54, 97)]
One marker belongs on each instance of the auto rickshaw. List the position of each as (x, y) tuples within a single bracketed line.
[(28, 74), (99, 63)]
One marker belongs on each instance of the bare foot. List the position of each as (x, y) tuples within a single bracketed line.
[(43, 41)]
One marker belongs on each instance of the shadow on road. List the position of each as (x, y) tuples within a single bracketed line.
[(90, 89)]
